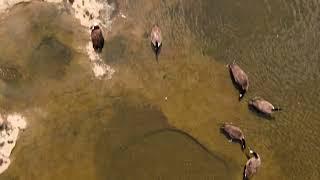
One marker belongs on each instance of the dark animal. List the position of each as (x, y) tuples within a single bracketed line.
[(234, 133), (252, 165), (240, 79), (156, 40), (263, 106), (97, 38)]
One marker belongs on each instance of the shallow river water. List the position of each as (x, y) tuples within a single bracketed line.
[(161, 120)]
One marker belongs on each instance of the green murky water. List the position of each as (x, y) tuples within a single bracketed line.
[(84, 128)]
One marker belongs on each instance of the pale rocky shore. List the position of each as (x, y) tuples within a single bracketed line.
[(10, 126)]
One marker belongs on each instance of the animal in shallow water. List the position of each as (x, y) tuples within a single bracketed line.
[(263, 106), (156, 40), (252, 165), (234, 133), (97, 37), (240, 78)]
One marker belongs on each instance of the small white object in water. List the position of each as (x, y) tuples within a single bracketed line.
[(122, 15), (166, 98)]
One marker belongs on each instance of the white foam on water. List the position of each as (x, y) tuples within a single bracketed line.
[(9, 133), (102, 70), (99, 68)]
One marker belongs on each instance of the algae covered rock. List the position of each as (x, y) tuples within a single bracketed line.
[(9, 73)]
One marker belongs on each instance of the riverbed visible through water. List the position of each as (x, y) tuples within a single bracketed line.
[(160, 120)]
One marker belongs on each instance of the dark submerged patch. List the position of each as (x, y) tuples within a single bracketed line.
[(50, 59), (140, 144)]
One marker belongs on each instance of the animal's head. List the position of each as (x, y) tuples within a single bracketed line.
[(158, 44), (254, 153), (242, 93), (95, 26), (231, 65)]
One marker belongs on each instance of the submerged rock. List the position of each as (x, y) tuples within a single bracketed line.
[(9, 73), (50, 58), (9, 131)]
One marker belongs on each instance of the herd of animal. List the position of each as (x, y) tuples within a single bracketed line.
[(240, 80)]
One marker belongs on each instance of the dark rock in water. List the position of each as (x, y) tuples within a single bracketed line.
[(50, 59), (9, 73)]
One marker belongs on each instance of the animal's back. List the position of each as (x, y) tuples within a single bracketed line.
[(265, 106), (156, 35), (252, 166), (250, 169), (239, 75), (97, 39), (233, 131)]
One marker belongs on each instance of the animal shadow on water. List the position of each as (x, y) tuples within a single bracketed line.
[(237, 86), (260, 114), (156, 51), (230, 139), (243, 172)]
